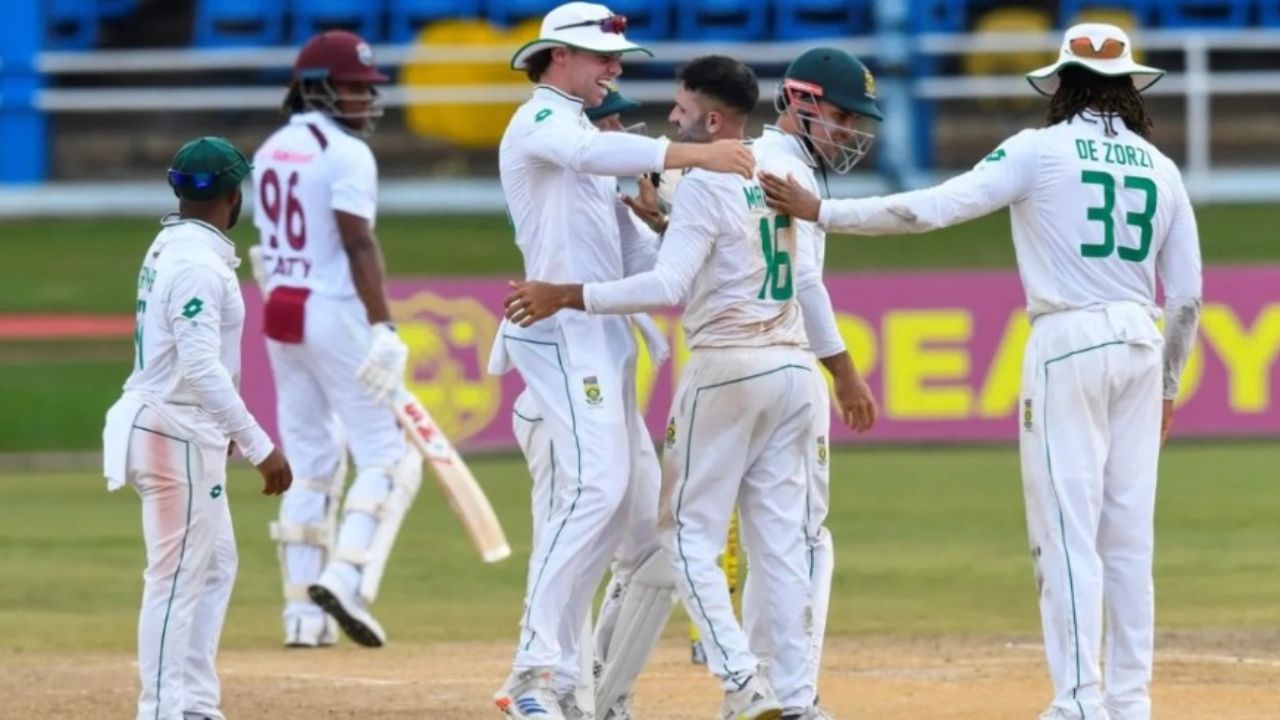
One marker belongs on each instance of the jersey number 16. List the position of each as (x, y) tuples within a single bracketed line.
[(777, 262)]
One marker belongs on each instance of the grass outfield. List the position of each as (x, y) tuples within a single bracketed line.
[(89, 265), (929, 542)]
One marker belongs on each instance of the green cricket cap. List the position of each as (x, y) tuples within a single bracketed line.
[(614, 103), (207, 168), (840, 78)]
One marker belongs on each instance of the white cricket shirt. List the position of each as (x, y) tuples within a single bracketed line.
[(190, 315), (304, 172), (558, 175), (783, 154), (731, 256)]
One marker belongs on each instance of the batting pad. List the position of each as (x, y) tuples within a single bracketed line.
[(646, 606)]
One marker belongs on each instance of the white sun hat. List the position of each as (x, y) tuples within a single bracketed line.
[(580, 25), (1099, 48)]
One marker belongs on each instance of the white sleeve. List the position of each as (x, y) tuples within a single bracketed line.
[(587, 150), (1179, 265), (194, 308), (639, 243), (354, 185), (685, 246), (1005, 176), (815, 302)]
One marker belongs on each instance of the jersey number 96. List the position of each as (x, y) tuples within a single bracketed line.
[(271, 198)]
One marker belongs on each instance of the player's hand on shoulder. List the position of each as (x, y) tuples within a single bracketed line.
[(729, 156), (277, 476), (857, 404), (382, 371), (532, 301), (789, 197)]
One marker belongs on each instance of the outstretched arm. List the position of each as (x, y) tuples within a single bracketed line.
[(1002, 178)]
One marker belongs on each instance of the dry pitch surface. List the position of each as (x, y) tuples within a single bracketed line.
[(1199, 676)]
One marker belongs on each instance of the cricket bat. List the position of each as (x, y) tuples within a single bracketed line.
[(465, 496)]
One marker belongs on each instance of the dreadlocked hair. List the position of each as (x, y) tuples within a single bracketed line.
[(1111, 96)]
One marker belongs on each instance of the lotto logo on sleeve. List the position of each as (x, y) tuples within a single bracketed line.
[(591, 388), (192, 308)]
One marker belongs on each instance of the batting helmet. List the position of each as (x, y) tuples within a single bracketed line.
[(836, 77), (334, 56)]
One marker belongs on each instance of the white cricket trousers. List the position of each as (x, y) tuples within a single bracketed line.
[(579, 370), (318, 401), (639, 540), (191, 567), (1090, 441), (742, 418), (819, 548)]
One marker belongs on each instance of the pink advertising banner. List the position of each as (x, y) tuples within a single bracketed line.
[(942, 351)]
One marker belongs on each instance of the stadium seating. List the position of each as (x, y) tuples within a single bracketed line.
[(71, 24), (1204, 13), (111, 9), (407, 17), (363, 17), (800, 19), (510, 12), (226, 23), (646, 19), (938, 15), (1072, 10), (730, 20), (1269, 13)]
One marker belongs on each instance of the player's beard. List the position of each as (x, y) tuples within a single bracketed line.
[(697, 131), (235, 211)]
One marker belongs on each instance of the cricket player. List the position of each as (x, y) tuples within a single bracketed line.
[(616, 657), (742, 412), (826, 104), (557, 174), (1097, 214), (334, 351), (171, 431)]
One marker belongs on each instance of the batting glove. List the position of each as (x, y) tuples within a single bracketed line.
[(382, 371)]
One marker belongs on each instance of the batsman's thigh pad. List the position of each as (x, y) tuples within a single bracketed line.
[(646, 607), (385, 495)]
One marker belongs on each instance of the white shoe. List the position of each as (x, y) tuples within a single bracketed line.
[(753, 701), (346, 607), (529, 695), (310, 630), (573, 709)]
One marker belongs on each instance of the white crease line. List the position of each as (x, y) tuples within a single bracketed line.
[(1179, 656), (337, 679)]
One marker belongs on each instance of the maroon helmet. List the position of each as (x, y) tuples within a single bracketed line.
[(334, 56)]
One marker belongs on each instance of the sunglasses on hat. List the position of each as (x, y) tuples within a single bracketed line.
[(198, 180), (1083, 47), (614, 24)]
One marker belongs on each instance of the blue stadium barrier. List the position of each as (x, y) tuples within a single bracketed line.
[(71, 24), (646, 19), (1141, 10), (22, 125), (510, 12), (406, 17), (739, 20), (232, 23), (113, 9), (800, 19), (1204, 13), (363, 17)]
